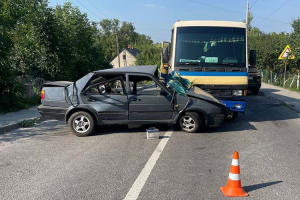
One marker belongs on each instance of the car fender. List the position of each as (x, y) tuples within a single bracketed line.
[(83, 108)]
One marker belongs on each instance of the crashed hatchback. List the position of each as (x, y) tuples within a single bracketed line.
[(130, 95)]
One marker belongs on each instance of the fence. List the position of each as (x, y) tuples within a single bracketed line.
[(291, 79)]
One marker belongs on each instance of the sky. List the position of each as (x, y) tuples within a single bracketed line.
[(156, 17)]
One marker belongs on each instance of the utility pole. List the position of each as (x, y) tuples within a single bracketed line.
[(247, 14), (117, 41), (284, 72)]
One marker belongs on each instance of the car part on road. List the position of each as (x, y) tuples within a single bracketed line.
[(152, 133), (190, 122), (234, 185), (81, 124)]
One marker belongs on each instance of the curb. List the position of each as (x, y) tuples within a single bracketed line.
[(282, 102), (5, 129)]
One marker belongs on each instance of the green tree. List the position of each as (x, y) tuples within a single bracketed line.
[(150, 55)]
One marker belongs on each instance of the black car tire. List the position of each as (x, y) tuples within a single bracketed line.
[(191, 119), (255, 91), (85, 124)]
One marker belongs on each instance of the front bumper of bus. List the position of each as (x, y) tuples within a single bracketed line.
[(236, 106)]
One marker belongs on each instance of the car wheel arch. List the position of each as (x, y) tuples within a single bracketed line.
[(200, 112), (87, 109)]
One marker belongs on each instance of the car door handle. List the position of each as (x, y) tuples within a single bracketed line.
[(135, 99)]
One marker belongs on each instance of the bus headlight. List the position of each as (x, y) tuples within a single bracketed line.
[(237, 93)]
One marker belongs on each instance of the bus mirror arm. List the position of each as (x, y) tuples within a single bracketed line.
[(252, 57)]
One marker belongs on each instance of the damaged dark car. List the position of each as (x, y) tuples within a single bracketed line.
[(130, 95)]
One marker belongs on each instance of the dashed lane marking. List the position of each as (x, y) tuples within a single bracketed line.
[(139, 183)]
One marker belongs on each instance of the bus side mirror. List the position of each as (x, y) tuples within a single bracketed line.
[(165, 54), (252, 57)]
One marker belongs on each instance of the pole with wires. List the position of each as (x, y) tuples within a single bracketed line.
[(117, 41), (247, 15)]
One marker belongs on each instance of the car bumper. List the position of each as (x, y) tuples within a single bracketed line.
[(53, 112), (215, 120), (233, 105)]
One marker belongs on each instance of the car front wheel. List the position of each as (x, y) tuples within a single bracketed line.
[(190, 122), (81, 124)]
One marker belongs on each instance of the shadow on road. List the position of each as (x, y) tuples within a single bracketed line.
[(115, 129), (259, 186), (259, 109), (42, 131)]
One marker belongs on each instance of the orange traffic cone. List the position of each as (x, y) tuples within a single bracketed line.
[(234, 185)]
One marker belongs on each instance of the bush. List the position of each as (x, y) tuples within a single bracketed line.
[(17, 100)]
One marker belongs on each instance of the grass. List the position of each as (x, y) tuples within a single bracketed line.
[(30, 122), (287, 87)]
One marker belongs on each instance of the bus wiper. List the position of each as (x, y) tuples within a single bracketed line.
[(228, 64), (195, 64)]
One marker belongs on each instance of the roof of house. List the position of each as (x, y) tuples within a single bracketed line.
[(133, 52)]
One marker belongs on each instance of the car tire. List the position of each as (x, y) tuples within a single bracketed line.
[(190, 122), (81, 124), (255, 91)]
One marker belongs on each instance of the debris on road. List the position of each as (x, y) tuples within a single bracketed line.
[(152, 133)]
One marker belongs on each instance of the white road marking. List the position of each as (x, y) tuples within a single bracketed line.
[(139, 183)]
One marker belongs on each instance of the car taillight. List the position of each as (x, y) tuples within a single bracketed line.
[(42, 94), (245, 92)]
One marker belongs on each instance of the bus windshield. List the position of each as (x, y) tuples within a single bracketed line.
[(210, 46)]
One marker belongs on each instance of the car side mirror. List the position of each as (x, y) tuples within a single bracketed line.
[(165, 54), (252, 57)]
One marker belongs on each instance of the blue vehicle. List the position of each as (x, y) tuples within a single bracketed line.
[(213, 56)]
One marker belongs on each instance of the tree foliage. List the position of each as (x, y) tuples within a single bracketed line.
[(58, 43), (270, 45)]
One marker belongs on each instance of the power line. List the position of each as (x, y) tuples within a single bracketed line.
[(273, 12), (237, 12), (97, 8), (152, 29), (216, 7), (88, 9), (253, 4)]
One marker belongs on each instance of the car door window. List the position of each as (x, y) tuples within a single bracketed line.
[(106, 87), (144, 85)]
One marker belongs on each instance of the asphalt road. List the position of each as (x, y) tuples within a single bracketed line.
[(47, 162)]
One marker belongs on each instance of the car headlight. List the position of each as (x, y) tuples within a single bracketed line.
[(237, 92)]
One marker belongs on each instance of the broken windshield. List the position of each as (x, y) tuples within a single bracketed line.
[(179, 84)]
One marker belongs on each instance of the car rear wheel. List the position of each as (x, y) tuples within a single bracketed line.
[(190, 122), (81, 124)]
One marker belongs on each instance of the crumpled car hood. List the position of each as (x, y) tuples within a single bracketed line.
[(201, 94), (198, 93)]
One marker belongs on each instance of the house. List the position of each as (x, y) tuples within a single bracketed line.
[(127, 57)]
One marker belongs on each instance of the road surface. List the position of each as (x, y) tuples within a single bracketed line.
[(47, 162)]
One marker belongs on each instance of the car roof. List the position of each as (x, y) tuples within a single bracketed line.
[(142, 69)]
